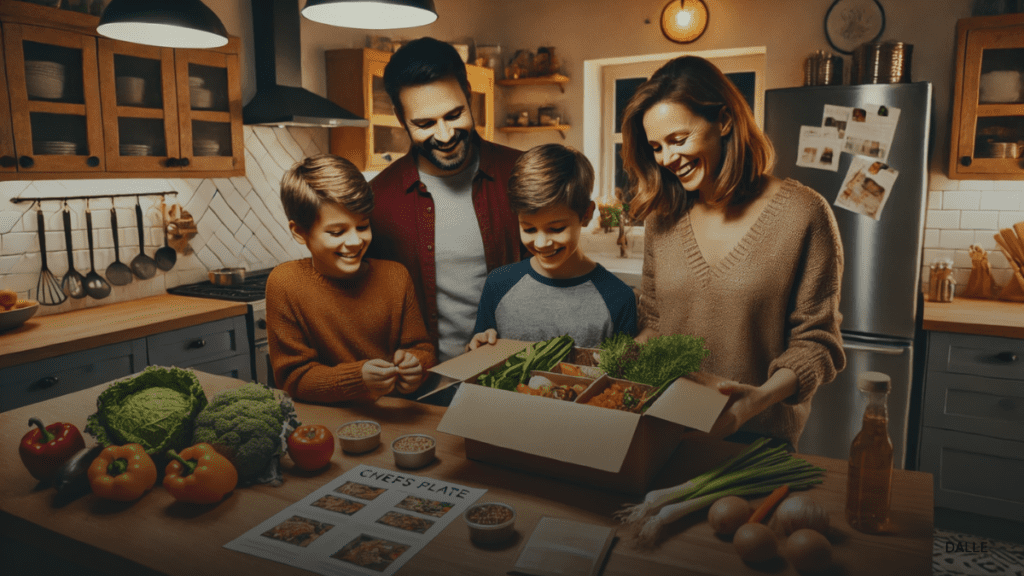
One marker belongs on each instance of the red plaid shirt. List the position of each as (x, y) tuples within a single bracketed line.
[(403, 221)]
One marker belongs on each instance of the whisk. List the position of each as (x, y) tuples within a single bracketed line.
[(48, 289)]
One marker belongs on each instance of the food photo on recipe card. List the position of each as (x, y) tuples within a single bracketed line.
[(367, 521)]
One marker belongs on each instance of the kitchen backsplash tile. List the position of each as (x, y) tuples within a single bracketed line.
[(965, 212), (239, 220)]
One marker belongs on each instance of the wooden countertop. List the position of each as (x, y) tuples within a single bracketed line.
[(970, 316), (155, 535), (48, 336)]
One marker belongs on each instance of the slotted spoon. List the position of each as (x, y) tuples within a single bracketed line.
[(73, 283), (48, 290)]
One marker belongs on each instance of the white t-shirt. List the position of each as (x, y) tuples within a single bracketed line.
[(459, 258)]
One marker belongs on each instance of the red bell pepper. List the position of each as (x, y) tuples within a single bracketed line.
[(45, 449), (122, 473), (311, 446), (199, 475)]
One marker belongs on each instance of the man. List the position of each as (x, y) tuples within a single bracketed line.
[(442, 209)]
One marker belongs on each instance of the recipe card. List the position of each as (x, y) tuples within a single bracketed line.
[(559, 547), (367, 521)]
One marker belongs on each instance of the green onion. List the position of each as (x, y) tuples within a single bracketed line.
[(753, 472)]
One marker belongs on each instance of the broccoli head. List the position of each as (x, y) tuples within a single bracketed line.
[(248, 425)]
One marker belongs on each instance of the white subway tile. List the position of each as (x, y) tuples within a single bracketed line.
[(1001, 200), (939, 181), (1008, 218), (1015, 185), (961, 200), (944, 219), (978, 220), (977, 185), (956, 239)]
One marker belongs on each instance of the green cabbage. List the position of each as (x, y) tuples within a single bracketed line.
[(155, 408)]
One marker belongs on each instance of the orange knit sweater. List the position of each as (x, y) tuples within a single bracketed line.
[(321, 330)]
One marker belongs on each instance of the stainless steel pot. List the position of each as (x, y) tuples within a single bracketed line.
[(227, 276)]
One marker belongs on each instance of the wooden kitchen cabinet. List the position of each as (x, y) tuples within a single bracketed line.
[(219, 347), (972, 431), (125, 109), (385, 140), (988, 99)]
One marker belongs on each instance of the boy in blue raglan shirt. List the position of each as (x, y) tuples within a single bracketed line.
[(558, 290)]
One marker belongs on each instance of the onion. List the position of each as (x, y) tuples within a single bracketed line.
[(755, 543), (801, 511), (728, 513), (808, 550)]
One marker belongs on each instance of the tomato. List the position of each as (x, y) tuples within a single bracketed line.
[(311, 446)]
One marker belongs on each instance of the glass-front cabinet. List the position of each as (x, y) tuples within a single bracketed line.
[(987, 140), (87, 106), (54, 96)]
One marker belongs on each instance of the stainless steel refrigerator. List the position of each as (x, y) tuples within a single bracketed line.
[(880, 289)]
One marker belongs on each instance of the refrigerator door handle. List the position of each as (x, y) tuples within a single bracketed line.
[(891, 351)]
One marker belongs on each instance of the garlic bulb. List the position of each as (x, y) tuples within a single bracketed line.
[(801, 511)]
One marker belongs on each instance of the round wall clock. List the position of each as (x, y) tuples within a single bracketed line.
[(850, 23)]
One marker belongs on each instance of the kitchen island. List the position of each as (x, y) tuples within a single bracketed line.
[(155, 535)]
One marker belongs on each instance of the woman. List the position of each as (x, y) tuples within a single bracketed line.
[(745, 260)]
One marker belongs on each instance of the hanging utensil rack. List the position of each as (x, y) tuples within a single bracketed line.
[(90, 197)]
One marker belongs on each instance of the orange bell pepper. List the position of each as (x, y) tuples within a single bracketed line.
[(122, 473), (199, 475)]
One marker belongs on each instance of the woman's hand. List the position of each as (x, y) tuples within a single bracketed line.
[(410, 372), (379, 376), (489, 336), (744, 403)]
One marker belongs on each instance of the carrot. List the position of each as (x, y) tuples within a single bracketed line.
[(774, 498)]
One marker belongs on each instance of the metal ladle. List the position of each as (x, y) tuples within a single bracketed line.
[(95, 285), (142, 265), (73, 282), (166, 256), (118, 273)]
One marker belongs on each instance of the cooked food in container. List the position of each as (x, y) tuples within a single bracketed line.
[(413, 450), (490, 522), (359, 436)]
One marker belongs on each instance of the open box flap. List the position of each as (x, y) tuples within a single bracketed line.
[(690, 404), (579, 434), (465, 366)]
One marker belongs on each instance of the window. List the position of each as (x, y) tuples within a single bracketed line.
[(610, 83)]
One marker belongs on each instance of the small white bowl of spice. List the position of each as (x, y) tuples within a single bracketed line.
[(359, 436), (413, 450), (490, 522)]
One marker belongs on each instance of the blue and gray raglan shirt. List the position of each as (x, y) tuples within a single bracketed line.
[(523, 305)]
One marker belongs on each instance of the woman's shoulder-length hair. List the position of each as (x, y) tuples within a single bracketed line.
[(699, 85)]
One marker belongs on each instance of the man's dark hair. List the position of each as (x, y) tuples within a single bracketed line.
[(420, 62)]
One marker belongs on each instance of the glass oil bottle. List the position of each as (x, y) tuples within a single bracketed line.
[(869, 482)]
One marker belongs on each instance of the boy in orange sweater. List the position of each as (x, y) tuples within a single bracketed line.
[(341, 327)]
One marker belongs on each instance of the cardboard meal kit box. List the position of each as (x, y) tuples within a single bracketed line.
[(571, 440)]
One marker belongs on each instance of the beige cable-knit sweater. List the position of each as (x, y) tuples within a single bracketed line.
[(771, 303), (321, 331)]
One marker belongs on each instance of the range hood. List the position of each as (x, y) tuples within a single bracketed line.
[(280, 99)]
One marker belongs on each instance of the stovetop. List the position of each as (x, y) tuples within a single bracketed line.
[(252, 289)]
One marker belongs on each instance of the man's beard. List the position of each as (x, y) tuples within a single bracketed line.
[(430, 150)]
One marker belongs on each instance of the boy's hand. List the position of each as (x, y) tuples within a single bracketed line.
[(490, 336), (379, 376), (410, 372)]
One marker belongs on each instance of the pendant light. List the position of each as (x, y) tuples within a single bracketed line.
[(166, 23), (684, 21), (371, 14)]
